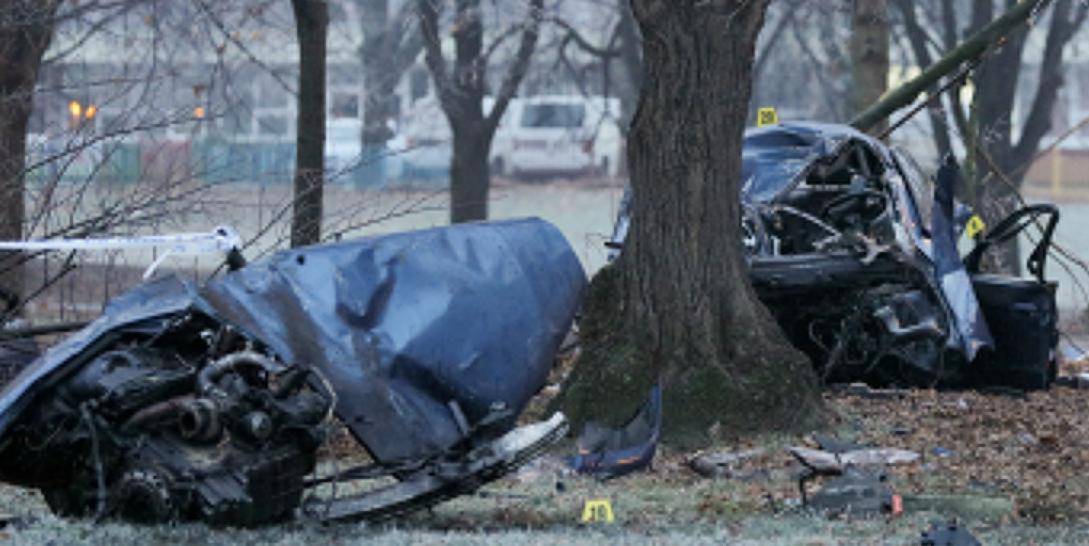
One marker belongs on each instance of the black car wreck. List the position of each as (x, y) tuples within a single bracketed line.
[(854, 251), (209, 402)]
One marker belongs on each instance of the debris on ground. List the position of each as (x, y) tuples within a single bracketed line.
[(723, 464), (855, 492), (826, 462), (1030, 450), (611, 452), (948, 534)]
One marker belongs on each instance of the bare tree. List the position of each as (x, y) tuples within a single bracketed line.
[(987, 128), (869, 53), (461, 94), (678, 306), (391, 43), (311, 24), (26, 27)]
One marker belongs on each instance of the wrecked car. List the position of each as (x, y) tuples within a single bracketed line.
[(855, 253), (209, 402)]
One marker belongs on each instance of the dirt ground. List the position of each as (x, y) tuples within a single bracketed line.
[(1010, 468)]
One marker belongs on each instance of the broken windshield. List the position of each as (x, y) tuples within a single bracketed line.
[(771, 160)]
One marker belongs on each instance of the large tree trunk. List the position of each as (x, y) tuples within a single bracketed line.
[(311, 25), (869, 54), (680, 308), (23, 41)]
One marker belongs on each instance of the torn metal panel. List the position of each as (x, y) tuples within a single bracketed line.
[(417, 331), (611, 452), (950, 271)]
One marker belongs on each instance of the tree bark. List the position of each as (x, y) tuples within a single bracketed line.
[(311, 26), (24, 37), (869, 54), (461, 95), (678, 306)]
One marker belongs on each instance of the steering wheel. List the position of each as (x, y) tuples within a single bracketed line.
[(863, 201)]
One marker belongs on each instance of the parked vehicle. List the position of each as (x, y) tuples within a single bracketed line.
[(553, 134), (854, 251)]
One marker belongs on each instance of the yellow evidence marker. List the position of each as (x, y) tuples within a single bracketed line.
[(766, 116), (597, 511), (975, 227)]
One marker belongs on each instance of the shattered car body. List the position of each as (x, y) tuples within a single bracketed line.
[(209, 402), (856, 255)]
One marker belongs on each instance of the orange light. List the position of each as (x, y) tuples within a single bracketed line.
[(91, 111), (75, 108), (198, 112)]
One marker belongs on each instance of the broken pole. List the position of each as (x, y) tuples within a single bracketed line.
[(970, 49)]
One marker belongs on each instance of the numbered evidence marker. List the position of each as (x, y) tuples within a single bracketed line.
[(597, 511), (975, 227), (766, 116)]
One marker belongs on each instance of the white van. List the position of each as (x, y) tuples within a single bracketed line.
[(558, 134)]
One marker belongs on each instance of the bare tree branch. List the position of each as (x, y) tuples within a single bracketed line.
[(517, 70), (429, 28), (584, 44), (1064, 24)]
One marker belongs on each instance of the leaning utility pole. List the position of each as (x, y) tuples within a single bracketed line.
[(969, 50)]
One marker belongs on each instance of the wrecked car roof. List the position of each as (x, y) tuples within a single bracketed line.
[(772, 157)]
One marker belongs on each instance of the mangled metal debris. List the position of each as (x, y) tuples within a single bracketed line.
[(855, 254), (610, 452), (855, 492), (722, 464), (827, 462), (948, 534), (185, 402)]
